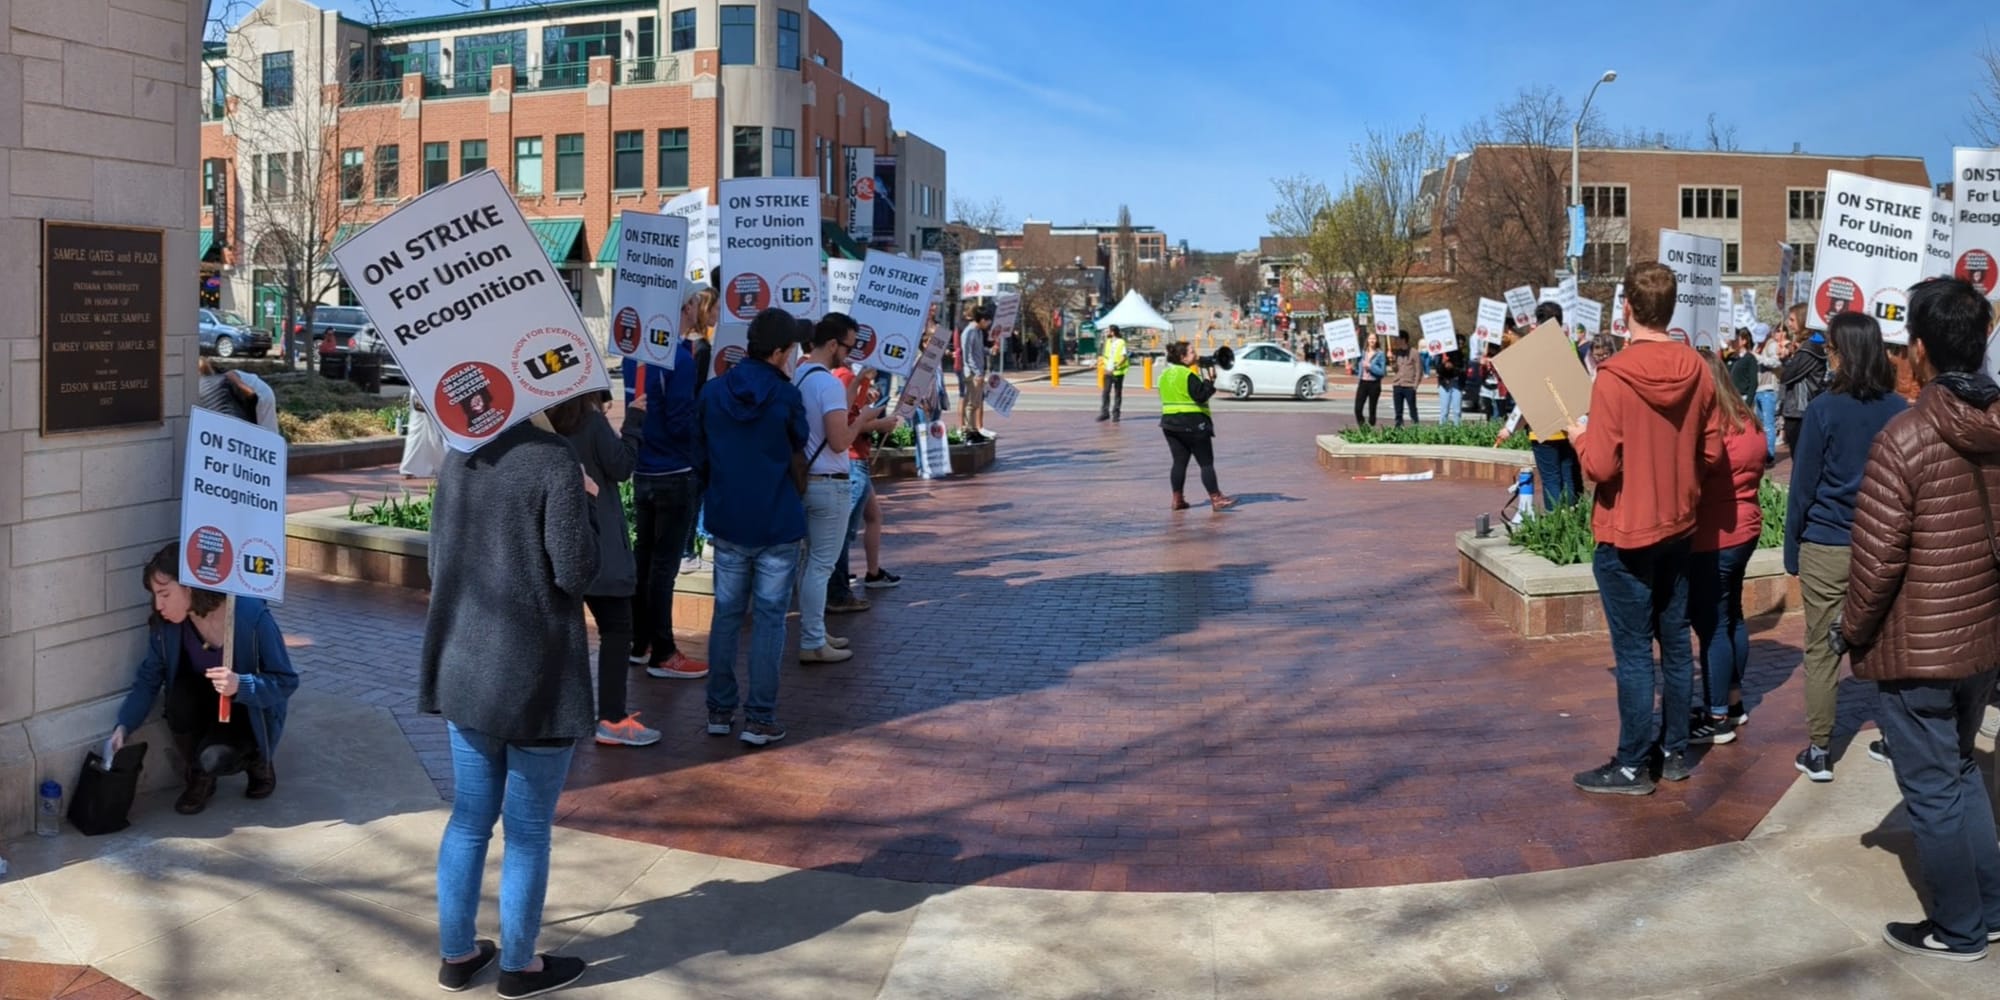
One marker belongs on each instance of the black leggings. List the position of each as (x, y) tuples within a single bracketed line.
[(614, 639), (1367, 392), (1202, 447)]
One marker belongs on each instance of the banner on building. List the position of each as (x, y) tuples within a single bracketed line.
[(978, 274), (1001, 394), (842, 277), (1697, 265), (232, 535), (647, 287), (1388, 321), (1488, 325), (1006, 315), (1975, 232), (1871, 250), (472, 310), (770, 235), (1589, 316), (1938, 240), (1521, 302), (1440, 336), (1343, 341), (861, 194), (693, 206), (891, 305)]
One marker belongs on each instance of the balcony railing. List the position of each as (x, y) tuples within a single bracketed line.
[(366, 92), (559, 76), (665, 69)]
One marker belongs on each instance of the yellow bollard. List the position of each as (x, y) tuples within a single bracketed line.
[(1100, 373), (1149, 373), (1055, 373)]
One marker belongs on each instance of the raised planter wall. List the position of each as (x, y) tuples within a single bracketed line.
[(1494, 465), (966, 460), (1535, 597), (311, 458)]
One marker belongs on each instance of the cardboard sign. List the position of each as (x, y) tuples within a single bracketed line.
[(1388, 323), (233, 507), (1938, 261), (1785, 264), (1589, 316), (693, 206), (1618, 328), (472, 310), (714, 214), (1001, 395), (843, 276), (770, 233), (1521, 301), (731, 343), (891, 304), (920, 388), (1545, 377), (1440, 336), (1006, 315), (1871, 250), (647, 287), (978, 274), (1975, 231), (1343, 341), (1697, 265)]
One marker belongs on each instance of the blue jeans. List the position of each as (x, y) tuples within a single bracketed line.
[(1451, 399), (1715, 606), (1930, 726), (743, 576), (1645, 594), (1559, 475), (1767, 414), (517, 785), (827, 508), (860, 486)]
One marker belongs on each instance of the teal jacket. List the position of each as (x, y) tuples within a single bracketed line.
[(268, 678)]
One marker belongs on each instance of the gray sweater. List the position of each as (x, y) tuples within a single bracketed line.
[(609, 457), (513, 545)]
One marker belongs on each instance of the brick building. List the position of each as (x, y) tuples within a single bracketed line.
[(316, 125)]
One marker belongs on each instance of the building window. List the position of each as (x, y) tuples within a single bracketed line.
[(474, 56), (628, 161), (388, 172), (1732, 258), (1804, 256), (681, 30), (788, 39), (394, 60), (739, 35), (353, 168), (649, 31), (1805, 205), (278, 79), (1604, 259), (569, 162), (748, 160), (210, 170), (784, 158), (673, 158), (218, 91), (471, 156), (277, 186), (437, 164), (573, 45), (1604, 201), (528, 166), (1710, 203)]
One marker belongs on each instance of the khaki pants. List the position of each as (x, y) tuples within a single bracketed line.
[(1823, 583)]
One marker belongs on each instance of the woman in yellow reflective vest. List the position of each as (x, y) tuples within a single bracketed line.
[(1190, 430)]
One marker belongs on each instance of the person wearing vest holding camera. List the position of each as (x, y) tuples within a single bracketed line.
[(1117, 361), (1189, 427)]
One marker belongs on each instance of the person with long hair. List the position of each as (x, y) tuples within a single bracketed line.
[(1743, 365), (1728, 521), (1188, 425), (1832, 451), (1368, 372), (666, 495), (1770, 358), (1803, 376)]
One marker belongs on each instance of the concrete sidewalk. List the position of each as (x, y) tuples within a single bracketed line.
[(326, 890)]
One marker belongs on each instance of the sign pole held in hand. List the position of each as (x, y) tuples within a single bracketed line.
[(232, 518), (228, 653)]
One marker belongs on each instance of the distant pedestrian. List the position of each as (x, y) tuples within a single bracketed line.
[(1770, 359), (972, 351), (1743, 366), (1368, 372), (666, 498), (1188, 425), (1409, 372), (1115, 361), (1803, 377), (1451, 387), (1727, 525)]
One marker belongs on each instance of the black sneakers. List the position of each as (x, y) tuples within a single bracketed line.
[(1815, 763), (720, 723), (1921, 939), (557, 972), (1879, 749), (456, 977), (1674, 767), (881, 579), (1615, 779), (759, 734), (1713, 731)]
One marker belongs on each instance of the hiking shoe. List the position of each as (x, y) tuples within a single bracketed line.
[(1674, 767), (1815, 763), (456, 977), (1921, 939), (846, 605), (678, 667), (1615, 779), (720, 723), (759, 734), (1879, 749), (881, 579), (194, 798), (828, 653), (1713, 731), (626, 733), (557, 972)]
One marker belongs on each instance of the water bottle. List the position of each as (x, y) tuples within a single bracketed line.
[(1524, 492), (48, 814)]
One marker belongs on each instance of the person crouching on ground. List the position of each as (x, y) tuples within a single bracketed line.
[(1652, 436), (1922, 613), (184, 656), (1189, 427)]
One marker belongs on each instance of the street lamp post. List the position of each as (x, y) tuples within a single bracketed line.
[(1576, 155)]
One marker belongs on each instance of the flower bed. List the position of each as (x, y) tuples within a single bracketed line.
[(1562, 536), (1479, 434)]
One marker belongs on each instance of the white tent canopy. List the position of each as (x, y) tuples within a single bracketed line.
[(1132, 313)]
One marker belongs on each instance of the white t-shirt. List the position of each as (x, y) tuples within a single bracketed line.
[(823, 395)]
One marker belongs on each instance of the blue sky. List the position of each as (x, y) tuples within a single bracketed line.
[(1063, 109)]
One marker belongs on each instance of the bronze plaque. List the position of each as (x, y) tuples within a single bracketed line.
[(103, 329)]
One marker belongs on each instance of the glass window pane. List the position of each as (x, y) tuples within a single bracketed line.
[(474, 56), (784, 161), (528, 166), (278, 79), (673, 158), (748, 158), (569, 162), (352, 170), (471, 156), (683, 30), (628, 163), (739, 35), (788, 39)]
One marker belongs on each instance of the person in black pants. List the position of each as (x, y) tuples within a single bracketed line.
[(1188, 425), (1409, 371), (608, 458), (1368, 382)]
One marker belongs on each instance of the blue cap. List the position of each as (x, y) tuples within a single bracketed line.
[(51, 789)]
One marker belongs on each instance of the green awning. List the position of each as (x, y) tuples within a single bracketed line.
[(607, 254), (833, 234), (346, 232), (207, 240), (559, 238)]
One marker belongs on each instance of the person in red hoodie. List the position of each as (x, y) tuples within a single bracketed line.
[(1726, 529), (1652, 435)]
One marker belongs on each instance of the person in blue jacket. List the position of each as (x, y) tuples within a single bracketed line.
[(184, 657)]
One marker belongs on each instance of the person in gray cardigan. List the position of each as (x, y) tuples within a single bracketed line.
[(608, 458), (513, 548)]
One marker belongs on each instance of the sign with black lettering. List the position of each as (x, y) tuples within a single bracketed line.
[(1697, 265), (103, 326), (648, 286), (232, 536), (892, 302), (770, 237), (1871, 250)]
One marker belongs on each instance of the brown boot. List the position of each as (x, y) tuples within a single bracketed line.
[(1220, 502), (1180, 502), (194, 798), (263, 779)]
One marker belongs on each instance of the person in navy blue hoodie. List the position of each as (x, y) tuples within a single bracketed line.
[(184, 657), (752, 422), (666, 494)]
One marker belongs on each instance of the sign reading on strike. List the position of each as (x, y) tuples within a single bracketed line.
[(472, 310), (1975, 230), (233, 507), (693, 206), (978, 274), (843, 276), (1697, 265), (923, 380), (1938, 262), (1618, 328), (770, 236), (1001, 394), (1343, 342), (647, 287), (1589, 316), (1785, 264), (891, 305), (1488, 325), (1388, 322), (1521, 302), (1006, 315), (1871, 250), (1440, 336)]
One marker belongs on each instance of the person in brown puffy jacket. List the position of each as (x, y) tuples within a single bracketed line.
[(1922, 614)]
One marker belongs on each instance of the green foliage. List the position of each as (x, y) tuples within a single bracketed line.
[(1771, 499), (904, 436), (412, 512), (1562, 536), (1477, 434)]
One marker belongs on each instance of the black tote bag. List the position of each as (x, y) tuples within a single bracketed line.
[(103, 798)]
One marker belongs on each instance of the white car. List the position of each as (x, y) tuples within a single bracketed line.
[(1270, 369)]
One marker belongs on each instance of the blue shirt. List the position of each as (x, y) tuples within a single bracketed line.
[(668, 444), (1834, 437)]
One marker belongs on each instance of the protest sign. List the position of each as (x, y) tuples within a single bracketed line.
[(891, 305), (1387, 321), (233, 507), (1006, 315), (933, 450), (1618, 312), (1871, 250), (472, 310), (693, 206), (920, 388), (843, 276), (1566, 297), (1001, 395), (732, 341), (1546, 378), (978, 274), (770, 233), (1993, 357), (1440, 336), (1343, 342), (1725, 312), (647, 287), (935, 258), (1589, 316), (714, 216), (1488, 325), (1521, 301), (1785, 264), (1697, 265), (1938, 240), (1975, 232)]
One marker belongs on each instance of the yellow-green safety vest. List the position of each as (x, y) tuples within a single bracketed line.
[(1174, 397), (1117, 360)]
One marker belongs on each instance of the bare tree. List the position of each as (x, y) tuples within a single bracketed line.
[(1510, 228), (1984, 118), (986, 216), (1124, 255), (1721, 135), (1376, 222), (1241, 283), (1300, 218)]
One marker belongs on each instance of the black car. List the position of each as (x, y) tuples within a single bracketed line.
[(339, 322)]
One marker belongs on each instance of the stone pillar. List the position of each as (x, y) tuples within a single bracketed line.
[(98, 123)]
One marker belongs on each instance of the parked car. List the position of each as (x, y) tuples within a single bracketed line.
[(369, 341), (1271, 369), (226, 335), (340, 322)]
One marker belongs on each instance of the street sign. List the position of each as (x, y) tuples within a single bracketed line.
[(1361, 302)]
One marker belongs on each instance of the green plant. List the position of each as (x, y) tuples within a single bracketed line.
[(1563, 536), (1477, 434), (904, 436), (1771, 500), (406, 511)]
